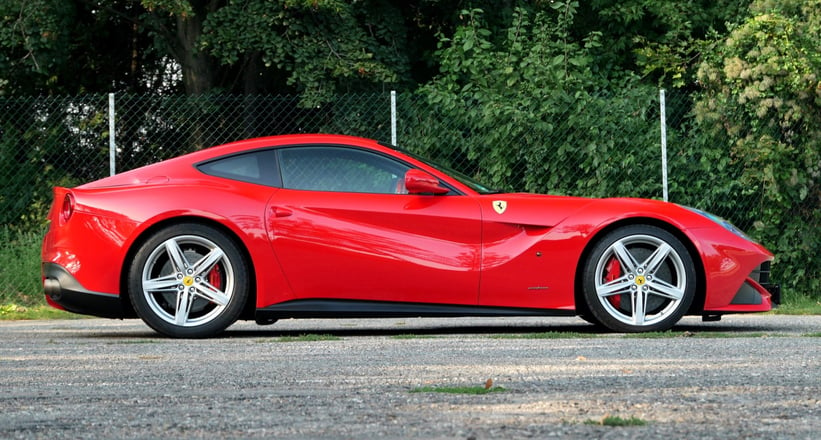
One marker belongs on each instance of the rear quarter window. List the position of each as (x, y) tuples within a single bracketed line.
[(255, 167)]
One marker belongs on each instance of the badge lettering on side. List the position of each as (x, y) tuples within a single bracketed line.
[(499, 206)]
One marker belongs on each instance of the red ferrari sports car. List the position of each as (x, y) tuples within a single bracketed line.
[(336, 226)]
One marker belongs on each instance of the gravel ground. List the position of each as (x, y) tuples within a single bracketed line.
[(753, 377)]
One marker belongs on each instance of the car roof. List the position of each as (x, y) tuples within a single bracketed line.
[(184, 164), (281, 140)]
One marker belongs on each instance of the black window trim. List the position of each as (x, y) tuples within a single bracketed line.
[(274, 181), (277, 179), (451, 190)]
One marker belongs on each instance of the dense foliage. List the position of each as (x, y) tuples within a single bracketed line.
[(761, 106), (504, 100)]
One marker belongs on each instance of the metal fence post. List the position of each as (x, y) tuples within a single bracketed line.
[(112, 144), (662, 111), (393, 117)]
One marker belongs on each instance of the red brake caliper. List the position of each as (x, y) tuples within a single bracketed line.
[(612, 272), (215, 277)]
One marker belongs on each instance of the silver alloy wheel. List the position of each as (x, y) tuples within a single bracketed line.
[(640, 280), (188, 281)]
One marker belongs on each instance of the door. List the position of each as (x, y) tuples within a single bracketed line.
[(343, 228)]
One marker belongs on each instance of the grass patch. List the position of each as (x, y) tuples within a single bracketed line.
[(799, 305), (474, 390), (812, 335), (616, 421), (15, 312), (545, 335), (20, 267)]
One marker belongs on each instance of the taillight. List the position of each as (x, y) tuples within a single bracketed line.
[(68, 207)]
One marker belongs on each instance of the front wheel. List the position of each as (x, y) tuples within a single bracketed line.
[(639, 278), (189, 281)]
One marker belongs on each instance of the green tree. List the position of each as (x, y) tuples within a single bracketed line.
[(503, 101), (657, 38), (34, 43), (316, 48), (80, 46)]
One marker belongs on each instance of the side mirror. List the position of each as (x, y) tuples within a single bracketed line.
[(420, 182)]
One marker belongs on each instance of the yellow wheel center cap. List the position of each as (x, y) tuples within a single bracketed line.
[(188, 281), (640, 280)]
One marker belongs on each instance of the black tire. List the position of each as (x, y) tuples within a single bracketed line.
[(194, 266), (639, 278), (590, 319)]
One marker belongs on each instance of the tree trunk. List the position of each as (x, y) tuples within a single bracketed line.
[(197, 66)]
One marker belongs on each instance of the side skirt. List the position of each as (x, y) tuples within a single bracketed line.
[(332, 308)]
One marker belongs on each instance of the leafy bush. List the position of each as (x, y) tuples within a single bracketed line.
[(20, 267), (502, 106), (761, 110)]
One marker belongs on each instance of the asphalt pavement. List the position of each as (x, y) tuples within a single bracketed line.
[(747, 376)]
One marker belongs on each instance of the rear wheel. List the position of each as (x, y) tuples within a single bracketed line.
[(189, 281), (639, 278)]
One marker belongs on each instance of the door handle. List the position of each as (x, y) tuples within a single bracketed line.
[(281, 212)]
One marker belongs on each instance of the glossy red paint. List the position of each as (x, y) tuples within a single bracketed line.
[(521, 251), (378, 247), (420, 182)]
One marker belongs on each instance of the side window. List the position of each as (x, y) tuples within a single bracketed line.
[(254, 167), (337, 169)]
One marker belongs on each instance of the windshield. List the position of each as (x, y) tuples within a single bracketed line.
[(462, 178)]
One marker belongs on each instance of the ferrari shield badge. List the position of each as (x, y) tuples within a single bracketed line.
[(499, 206)]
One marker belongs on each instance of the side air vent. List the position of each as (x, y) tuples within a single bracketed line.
[(762, 274)]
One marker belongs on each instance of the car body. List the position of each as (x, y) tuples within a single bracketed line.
[(337, 226)]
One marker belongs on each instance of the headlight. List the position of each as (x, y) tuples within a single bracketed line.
[(724, 223)]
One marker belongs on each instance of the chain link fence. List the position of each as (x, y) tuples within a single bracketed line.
[(590, 147)]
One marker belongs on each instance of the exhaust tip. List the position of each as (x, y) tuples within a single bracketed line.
[(52, 288)]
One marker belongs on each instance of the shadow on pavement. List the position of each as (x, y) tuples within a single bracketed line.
[(570, 330)]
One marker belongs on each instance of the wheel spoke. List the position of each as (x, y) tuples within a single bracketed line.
[(184, 302), (639, 307), (211, 293), (625, 257), (162, 284), (662, 288), (654, 261), (615, 287), (206, 263), (177, 256)]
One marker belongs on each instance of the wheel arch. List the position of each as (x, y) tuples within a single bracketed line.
[(250, 306), (700, 293)]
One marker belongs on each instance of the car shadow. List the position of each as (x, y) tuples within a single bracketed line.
[(414, 331), (570, 330), (582, 329)]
